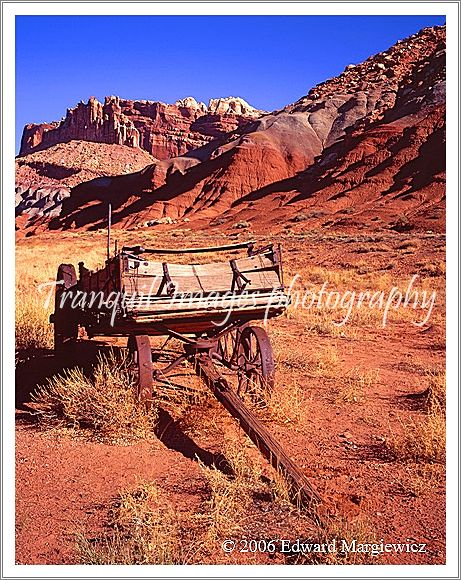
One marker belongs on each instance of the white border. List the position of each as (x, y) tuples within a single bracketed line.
[(10, 10)]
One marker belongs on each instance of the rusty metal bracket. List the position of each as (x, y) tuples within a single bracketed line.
[(238, 279), (167, 282)]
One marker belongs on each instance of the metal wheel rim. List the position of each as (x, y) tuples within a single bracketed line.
[(256, 365)]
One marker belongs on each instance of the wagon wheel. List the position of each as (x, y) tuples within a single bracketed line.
[(256, 365), (141, 355), (65, 324), (227, 345)]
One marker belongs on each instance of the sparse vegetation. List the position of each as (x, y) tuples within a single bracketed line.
[(143, 529), (324, 387), (33, 329), (356, 384), (230, 496), (421, 440), (300, 217), (241, 225), (436, 390), (343, 532), (105, 403), (290, 404)]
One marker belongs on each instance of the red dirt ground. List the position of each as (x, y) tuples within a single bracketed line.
[(66, 484)]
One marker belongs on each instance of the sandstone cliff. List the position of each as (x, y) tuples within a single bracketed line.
[(162, 130)]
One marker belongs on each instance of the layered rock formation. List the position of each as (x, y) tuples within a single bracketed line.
[(162, 130), (364, 149)]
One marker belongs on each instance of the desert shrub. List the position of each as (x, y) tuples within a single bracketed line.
[(106, 402), (300, 217), (241, 225), (436, 390), (316, 213), (402, 224)]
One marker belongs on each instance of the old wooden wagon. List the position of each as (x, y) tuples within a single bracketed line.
[(210, 307)]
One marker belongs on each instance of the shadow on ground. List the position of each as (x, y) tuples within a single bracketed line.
[(36, 367)]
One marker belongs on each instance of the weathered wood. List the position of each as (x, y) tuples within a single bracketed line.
[(215, 316), (141, 250), (211, 303), (301, 491), (146, 277)]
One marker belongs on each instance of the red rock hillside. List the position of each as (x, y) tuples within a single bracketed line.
[(365, 149)]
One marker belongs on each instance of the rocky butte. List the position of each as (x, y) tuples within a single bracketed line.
[(162, 130)]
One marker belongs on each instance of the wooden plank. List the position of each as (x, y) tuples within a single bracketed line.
[(155, 326), (186, 284), (254, 263), (216, 276), (218, 315), (301, 491), (227, 298), (171, 308), (140, 250)]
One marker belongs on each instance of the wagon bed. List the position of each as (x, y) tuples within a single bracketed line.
[(187, 298)]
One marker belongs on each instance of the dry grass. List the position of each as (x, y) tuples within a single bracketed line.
[(230, 496), (281, 488), (289, 403), (293, 357), (33, 329), (339, 532), (436, 393), (356, 384), (106, 403), (145, 529), (431, 269), (321, 322), (35, 267), (422, 478), (422, 440), (325, 317)]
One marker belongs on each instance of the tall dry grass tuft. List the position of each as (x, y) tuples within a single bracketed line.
[(424, 440), (230, 496), (421, 441), (436, 390), (105, 403), (289, 405), (33, 329), (145, 529), (343, 532)]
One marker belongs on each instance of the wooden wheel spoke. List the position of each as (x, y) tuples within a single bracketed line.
[(141, 355), (256, 365)]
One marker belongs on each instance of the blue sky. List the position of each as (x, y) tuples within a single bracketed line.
[(270, 61)]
